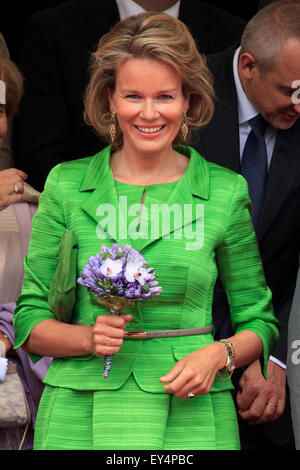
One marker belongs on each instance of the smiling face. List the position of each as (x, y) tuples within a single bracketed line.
[(272, 93), (149, 105)]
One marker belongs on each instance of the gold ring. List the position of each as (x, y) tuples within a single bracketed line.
[(16, 189), (271, 404)]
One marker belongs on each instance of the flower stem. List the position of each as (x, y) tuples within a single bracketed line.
[(109, 357)]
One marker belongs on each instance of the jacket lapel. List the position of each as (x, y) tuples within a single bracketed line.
[(284, 170), (103, 199), (99, 181), (187, 195)]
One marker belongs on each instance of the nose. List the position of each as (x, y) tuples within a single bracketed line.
[(149, 111)]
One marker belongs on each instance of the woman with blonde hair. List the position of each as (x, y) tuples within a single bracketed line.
[(169, 387)]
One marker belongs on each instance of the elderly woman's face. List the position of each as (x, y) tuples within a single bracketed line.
[(149, 104), (3, 123)]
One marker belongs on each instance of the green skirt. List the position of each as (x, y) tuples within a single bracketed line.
[(131, 419)]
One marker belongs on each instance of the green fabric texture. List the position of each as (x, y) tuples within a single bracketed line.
[(75, 196), (132, 419), (62, 290), (61, 297)]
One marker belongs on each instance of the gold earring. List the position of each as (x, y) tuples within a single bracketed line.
[(112, 127), (184, 126)]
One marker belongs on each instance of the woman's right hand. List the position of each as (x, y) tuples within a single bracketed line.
[(9, 180), (107, 334)]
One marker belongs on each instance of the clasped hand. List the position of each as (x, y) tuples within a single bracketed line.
[(107, 334), (195, 372), (262, 401)]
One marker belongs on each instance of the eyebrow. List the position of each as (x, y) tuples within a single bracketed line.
[(159, 92)]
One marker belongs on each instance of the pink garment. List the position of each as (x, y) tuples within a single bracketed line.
[(24, 213), (15, 231)]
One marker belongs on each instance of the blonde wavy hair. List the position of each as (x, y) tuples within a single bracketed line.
[(155, 36)]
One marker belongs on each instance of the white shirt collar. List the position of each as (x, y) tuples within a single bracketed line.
[(129, 7), (246, 109)]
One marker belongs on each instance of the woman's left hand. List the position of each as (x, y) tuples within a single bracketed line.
[(11, 186), (195, 372)]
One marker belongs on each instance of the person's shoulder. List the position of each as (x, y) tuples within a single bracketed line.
[(220, 175), (72, 171), (78, 22), (76, 164), (64, 13), (219, 171), (213, 28), (223, 58), (70, 10), (227, 184), (58, 11), (213, 13)]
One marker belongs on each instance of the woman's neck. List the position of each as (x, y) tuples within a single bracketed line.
[(147, 169)]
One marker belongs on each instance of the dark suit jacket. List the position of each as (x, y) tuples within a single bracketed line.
[(279, 225), (57, 47)]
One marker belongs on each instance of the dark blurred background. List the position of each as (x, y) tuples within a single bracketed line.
[(13, 17)]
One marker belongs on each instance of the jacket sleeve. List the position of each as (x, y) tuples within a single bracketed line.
[(40, 264), (242, 274)]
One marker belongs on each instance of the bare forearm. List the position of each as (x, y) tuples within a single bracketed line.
[(56, 339), (247, 346)]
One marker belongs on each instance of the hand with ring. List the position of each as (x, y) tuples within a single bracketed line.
[(195, 373), (270, 404), (262, 401), (11, 187), (107, 334)]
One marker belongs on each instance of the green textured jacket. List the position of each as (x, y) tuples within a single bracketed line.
[(214, 235)]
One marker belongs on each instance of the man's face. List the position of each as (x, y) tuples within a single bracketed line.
[(273, 94)]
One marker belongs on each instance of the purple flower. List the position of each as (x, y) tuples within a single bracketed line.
[(119, 271), (118, 276), (111, 268)]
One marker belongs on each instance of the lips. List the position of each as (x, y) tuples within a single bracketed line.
[(149, 130)]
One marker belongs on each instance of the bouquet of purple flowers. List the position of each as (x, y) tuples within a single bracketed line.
[(118, 276)]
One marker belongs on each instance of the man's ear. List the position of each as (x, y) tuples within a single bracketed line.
[(247, 65)]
